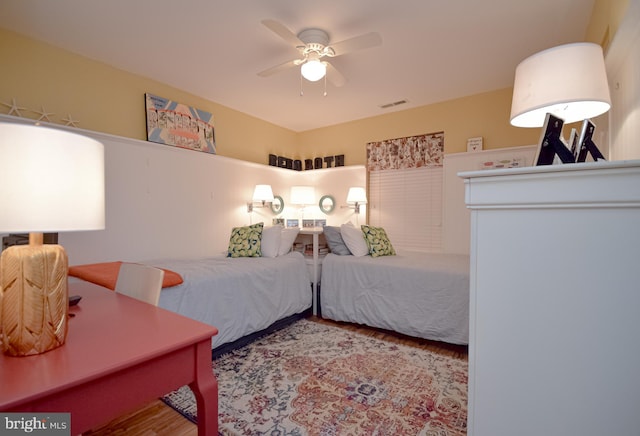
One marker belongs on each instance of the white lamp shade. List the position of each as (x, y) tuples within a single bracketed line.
[(357, 195), (303, 195), (263, 193), (568, 81), (51, 180), (313, 70)]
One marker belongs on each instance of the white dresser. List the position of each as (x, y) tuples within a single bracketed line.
[(555, 300)]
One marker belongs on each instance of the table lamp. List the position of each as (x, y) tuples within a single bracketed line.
[(303, 196), (560, 85), (51, 181)]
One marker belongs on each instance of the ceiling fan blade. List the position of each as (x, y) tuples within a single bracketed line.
[(278, 68), (282, 31), (334, 76), (361, 42)]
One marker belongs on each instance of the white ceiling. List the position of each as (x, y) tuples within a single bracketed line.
[(432, 50)]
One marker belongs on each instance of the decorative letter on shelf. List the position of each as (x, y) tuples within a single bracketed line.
[(309, 164)]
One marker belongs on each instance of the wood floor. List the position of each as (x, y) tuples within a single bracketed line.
[(156, 418)]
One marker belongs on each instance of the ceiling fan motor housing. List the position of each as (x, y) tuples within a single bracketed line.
[(315, 40), (314, 36)]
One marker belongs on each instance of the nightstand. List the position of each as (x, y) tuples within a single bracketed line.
[(314, 262)]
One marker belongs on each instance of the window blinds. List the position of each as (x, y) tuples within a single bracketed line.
[(407, 203)]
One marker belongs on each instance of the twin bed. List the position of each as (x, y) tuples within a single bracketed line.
[(240, 296), (423, 295)]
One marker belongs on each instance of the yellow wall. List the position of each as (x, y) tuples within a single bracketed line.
[(605, 20), (109, 100), (485, 115), (105, 99)]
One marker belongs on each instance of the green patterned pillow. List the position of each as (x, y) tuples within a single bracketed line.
[(377, 241), (245, 241)]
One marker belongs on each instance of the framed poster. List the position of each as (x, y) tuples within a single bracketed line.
[(179, 125)]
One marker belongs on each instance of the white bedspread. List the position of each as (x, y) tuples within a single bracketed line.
[(418, 294), (238, 296)]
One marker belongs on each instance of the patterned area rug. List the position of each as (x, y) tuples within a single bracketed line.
[(315, 379)]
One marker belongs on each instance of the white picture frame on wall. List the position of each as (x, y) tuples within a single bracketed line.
[(474, 144)]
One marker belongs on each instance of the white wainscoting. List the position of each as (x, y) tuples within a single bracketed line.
[(456, 217), (163, 201)]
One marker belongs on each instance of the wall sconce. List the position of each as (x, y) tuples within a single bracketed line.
[(356, 197), (569, 82), (51, 181), (262, 194)]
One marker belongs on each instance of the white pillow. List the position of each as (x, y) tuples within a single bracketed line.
[(286, 242), (354, 240), (270, 244)]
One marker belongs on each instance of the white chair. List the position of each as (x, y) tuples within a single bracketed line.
[(142, 282)]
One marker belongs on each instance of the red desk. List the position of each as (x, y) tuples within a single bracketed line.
[(119, 353)]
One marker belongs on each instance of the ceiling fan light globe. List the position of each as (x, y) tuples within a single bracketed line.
[(313, 70)]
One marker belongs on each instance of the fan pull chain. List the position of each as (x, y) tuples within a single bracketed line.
[(301, 93), (325, 85)]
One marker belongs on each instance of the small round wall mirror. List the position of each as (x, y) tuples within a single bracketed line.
[(327, 204), (277, 205)]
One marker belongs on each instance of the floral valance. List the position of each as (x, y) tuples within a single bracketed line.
[(409, 152)]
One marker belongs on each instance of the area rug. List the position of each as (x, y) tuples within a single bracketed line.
[(316, 379)]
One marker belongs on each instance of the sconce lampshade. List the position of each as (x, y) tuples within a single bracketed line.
[(313, 70), (263, 193), (51, 181), (303, 195), (357, 195), (568, 81)]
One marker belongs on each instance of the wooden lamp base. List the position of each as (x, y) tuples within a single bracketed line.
[(34, 301)]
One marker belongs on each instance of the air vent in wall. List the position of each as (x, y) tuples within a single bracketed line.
[(395, 103)]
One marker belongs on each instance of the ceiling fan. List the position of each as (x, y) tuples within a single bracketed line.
[(313, 45)]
